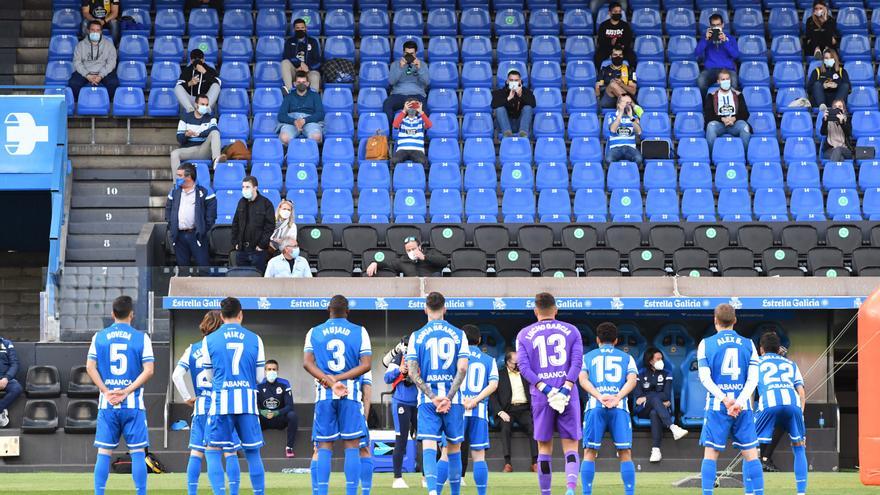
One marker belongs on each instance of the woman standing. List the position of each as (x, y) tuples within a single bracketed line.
[(653, 396)]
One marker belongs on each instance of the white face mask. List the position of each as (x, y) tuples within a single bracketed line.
[(271, 376), (513, 85), (658, 365), (411, 255), (284, 214)]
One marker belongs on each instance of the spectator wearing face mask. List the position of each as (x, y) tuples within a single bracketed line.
[(828, 82), (94, 62), (190, 211), (719, 51), (301, 113), (198, 136), (837, 129), (408, 78), (725, 113), (614, 32), (514, 106), (821, 31), (301, 53), (412, 123), (653, 400), (277, 411), (288, 263), (615, 79), (197, 78), (252, 226), (414, 263), (285, 227)]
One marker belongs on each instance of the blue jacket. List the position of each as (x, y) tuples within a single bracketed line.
[(405, 392), (275, 397), (8, 359), (310, 49), (309, 104), (718, 55), (206, 211)]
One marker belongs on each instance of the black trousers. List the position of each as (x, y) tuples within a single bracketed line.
[(521, 414), (659, 415), (407, 420), (767, 449), (289, 421)]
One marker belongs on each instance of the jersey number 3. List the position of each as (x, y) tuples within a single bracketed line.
[(557, 342)]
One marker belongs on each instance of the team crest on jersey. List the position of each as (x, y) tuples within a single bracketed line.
[(400, 410), (278, 390)]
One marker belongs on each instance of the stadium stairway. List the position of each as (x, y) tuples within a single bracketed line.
[(25, 34)]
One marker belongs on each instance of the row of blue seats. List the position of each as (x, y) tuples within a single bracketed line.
[(362, 4), (658, 174), (556, 205)]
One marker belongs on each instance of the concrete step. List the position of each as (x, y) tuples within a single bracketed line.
[(37, 14), (119, 174), (120, 150), (30, 80), (97, 248), (118, 135), (37, 28), (30, 68), (37, 55), (107, 220), (110, 194), (109, 161), (33, 43)]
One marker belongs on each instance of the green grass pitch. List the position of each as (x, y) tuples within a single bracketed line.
[(506, 484)]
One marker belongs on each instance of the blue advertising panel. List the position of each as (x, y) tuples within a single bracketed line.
[(33, 126)]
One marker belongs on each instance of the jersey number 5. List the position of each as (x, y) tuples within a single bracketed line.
[(557, 342), (118, 359)]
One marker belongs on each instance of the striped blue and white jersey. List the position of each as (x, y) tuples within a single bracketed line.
[(338, 346), (412, 134), (608, 369), (779, 379), (120, 352), (437, 347), (234, 356), (482, 370), (625, 135), (193, 362), (730, 358)]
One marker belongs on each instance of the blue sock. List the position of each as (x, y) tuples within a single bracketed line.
[(366, 475), (102, 472), (139, 472), (756, 476), (481, 476), (588, 472), (233, 474), (800, 468), (313, 473), (214, 458), (255, 471), (323, 467), (193, 471), (429, 468), (352, 469), (747, 482), (455, 473), (628, 475), (707, 473), (442, 474)]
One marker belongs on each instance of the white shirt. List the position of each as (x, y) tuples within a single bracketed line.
[(726, 104), (279, 267), (186, 215)]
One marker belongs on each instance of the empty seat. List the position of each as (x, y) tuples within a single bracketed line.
[(518, 205), (548, 124), (481, 206), (442, 22), (476, 48), (781, 261), (203, 21), (479, 149), (39, 416), (683, 73), (302, 176), (681, 21), (169, 22), (626, 205), (806, 204), (131, 47), (543, 21), (128, 102), (509, 21), (862, 98), (82, 416), (43, 382), (783, 20), (786, 48), (477, 74), (577, 21), (444, 176), (516, 175), (770, 204), (843, 204), (443, 48), (373, 74), (480, 175), (546, 74), (374, 22), (855, 47), (580, 47), (752, 48), (580, 73), (545, 48), (446, 205), (554, 205), (475, 21), (375, 48)]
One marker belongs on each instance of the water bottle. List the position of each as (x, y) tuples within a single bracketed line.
[(821, 420)]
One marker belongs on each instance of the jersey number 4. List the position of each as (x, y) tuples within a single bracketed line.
[(544, 344), (730, 364)]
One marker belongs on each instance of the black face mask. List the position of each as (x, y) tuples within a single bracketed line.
[(616, 17), (616, 60), (299, 34), (409, 57)]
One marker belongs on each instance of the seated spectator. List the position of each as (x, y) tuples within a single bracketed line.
[(415, 263), (614, 31), (8, 383), (285, 226), (718, 51), (837, 129), (252, 226), (104, 11), (511, 402), (190, 211), (412, 123), (653, 400), (288, 263), (94, 62), (198, 136), (828, 82), (624, 131), (301, 53), (211, 4), (301, 113), (514, 106), (276, 406), (615, 79), (725, 113), (197, 78), (821, 31), (408, 78)]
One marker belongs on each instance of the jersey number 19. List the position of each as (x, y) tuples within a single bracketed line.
[(440, 349)]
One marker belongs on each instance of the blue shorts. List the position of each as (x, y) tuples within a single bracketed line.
[(789, 418), (476, 432), (365, 440), (310, 129), (197, 440), (718, 426), (433, 426), (225, 430), (615, 421), (338, 418), (130, 424)]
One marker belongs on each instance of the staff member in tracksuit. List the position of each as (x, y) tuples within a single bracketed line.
[(403, 403), (653, 399), (276, 406), (8, 383)]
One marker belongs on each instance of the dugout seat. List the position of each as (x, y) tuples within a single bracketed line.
[(40, 416), (82, 416), (693, 394), (43, 382)]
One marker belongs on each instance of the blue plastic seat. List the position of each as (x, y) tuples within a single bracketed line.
[(228, 175), (590, 205), (446, 205), (582, 99), (93, 101), (132, 73), (686, 99), (517, 175), (339, 22), (335, 100), (236, 22), (444, 176), (548, 124), (548, 100), (681, 21), (766, 174), (306, 204), (131, 47), (207, 44), (270, 21), (806, 204), (129, 102), (623, 175), (515, 149), (731, 175), (67, 92), (235, 126), (802, 174), (66, 21), (661, 205), (861, 73), (267, 150), (651, 73), (784, 20), (764, 149), (855, 47), (408, 21), (227, 200), (509, 21), (337, 206), (264, 124), (693, 149), (267, 99), (162, 103), (374, 22), (480, 175), (726, 149), (695, 175), (647, 48), (301, 176), (168, 48), (481, 206), (838, 175), (748, 21), (268, 175), (646, 21), (862, 98), (577, 21), (865, 123), (372, 123), (236, 75), (689, 124), (442, 22), (375, 203), (545, 48), (788, 74), (681, 47), (585, 149), (443, 75), (653, 99), (474, 48), (660, 174), (554, 206), (852, 20), (518, 205), (626, 205), (478, 125), (410, 206), (752, 48), (543, 21), (272, 48), (799, 149), (371, 99), (580, 73), (442, 100), (375, 48), (443, 49), (550, 149), (477, 74), (755, 74), (373, 175), (373, 74), (169, 22), (338, 150), (762, 124), (237, 49), (203, 21), (735, 204), (698, 205), (58, 72), (580, 47), (335, 47), (475, 21), (785, 96), (769, 204), (311, 17), (445, 125), (444, 150), (795, 124), (546, 74), (843, 204), (338, 124), (758, 98), (787, 47), (869, 174), (656, 125), (141, 15)]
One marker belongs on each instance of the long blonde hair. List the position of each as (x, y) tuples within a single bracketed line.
[(820, 21), (278, 218)]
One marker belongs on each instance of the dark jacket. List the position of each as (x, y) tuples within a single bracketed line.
[(8, 359), (515, 105), (847, 132), (210, 77), (821, 74), (500, 400), (275, 397), (309, 104), (609, 35), (253, 224), (710, 107), (405, 391), (821, 37), (653, 382), (308, 48), (434, 262), (206, 211)]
